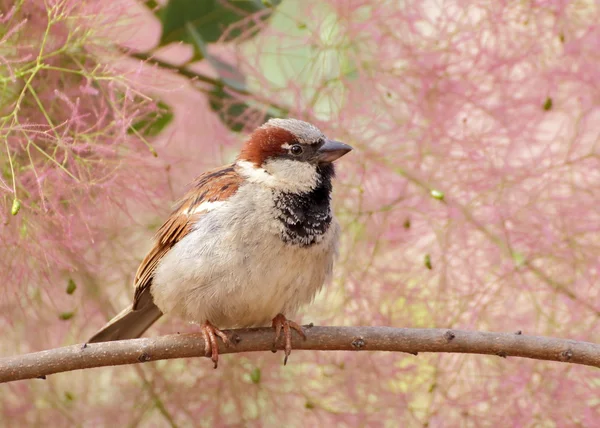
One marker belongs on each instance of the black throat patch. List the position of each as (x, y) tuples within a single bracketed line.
[(306, 216)]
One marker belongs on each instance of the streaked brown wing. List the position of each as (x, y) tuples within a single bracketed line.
[(212, 186)]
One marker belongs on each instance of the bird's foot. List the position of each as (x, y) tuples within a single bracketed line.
[(211, 347), (281, 322)]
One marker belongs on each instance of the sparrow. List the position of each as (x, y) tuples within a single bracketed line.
[(247, 245)]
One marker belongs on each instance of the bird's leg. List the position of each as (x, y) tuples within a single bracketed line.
[(211, 347), (281, 322)]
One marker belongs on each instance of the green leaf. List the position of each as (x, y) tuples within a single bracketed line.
[(427, 262), (210, 18), (437, 194), (548, 104), (230, 75), (71, 286), (16, 206), (233, 112), (151, 4), (255, 375), (196, 39), (230, 110), (154, 122), (66, 316)]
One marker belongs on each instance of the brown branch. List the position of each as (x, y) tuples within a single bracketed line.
[(184, 71), (76, 357), (199, 77)]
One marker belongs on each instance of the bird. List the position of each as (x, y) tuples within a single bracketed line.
[(248, 244)]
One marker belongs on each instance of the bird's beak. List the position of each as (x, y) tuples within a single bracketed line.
[(331, 151)]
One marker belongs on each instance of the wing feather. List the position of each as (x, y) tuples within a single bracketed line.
[(216, 185)]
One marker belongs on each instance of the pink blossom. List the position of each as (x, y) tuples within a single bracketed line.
[(470, 201)]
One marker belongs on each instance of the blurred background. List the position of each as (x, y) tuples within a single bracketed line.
[(470, 200)]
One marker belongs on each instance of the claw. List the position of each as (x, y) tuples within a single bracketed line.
[(280, 322), (211, 346)]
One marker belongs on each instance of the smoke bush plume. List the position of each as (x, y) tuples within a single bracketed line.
[(471, 201)]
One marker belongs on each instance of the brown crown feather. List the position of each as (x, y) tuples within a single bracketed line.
[(265, 143)]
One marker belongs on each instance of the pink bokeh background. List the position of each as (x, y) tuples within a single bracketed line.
[(493, 104)]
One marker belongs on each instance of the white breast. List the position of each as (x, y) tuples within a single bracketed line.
[(234, 270)]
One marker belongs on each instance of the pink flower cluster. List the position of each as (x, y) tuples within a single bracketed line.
[(471, 201)]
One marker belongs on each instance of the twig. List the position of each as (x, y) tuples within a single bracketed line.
[(183, 71), (504, 246), (413, 341), (214, 82)]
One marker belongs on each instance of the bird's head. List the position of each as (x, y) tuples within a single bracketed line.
[(289, 155)]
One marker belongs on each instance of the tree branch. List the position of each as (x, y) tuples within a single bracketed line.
[(199, 77), (76, 357), (184, 71)]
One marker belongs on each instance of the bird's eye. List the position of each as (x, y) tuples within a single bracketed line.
[(296, 149)]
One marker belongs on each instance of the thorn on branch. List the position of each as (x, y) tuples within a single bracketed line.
[(359, 343), (449, 336)]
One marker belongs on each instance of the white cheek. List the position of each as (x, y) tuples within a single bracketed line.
[(293, 175), (282, 174), (254, 174)]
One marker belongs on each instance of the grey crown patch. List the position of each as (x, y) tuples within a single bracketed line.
[(304, 131)]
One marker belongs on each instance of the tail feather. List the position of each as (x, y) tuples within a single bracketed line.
[(128, 324)]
